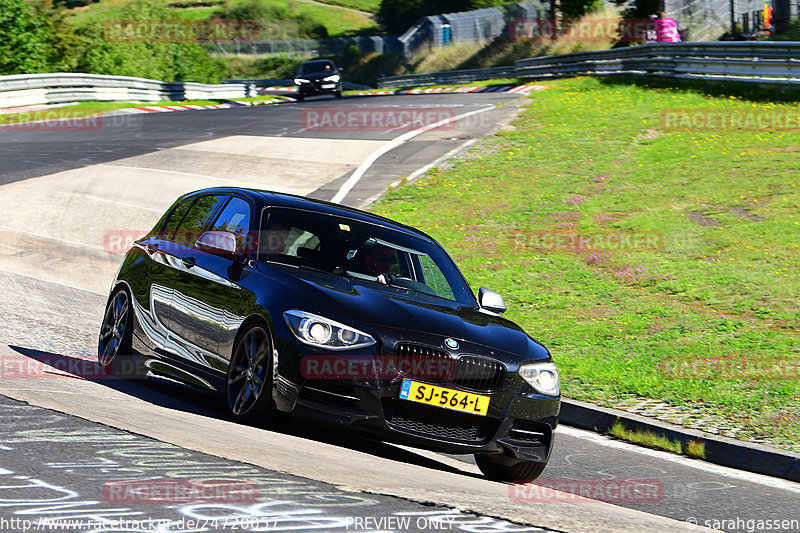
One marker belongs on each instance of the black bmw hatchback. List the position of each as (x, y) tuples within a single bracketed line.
[(318, 77), (284, 303)]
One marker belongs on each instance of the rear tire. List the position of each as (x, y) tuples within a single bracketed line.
[(300, 97), (114, 345), (508, 469), (249, 381)]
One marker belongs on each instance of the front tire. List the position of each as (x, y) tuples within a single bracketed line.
[(249, 382), (508, 469)]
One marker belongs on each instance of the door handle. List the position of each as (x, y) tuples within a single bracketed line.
[(189, 262)]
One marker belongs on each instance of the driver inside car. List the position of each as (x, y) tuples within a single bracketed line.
[(274, 239), (379, 261)]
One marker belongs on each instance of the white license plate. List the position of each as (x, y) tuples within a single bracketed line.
[(416, 391), (328, 85)]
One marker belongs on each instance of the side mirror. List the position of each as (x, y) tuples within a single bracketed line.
[(217, 242), (491, 301)]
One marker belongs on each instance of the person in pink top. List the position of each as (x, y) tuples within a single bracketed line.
[(666, 29)]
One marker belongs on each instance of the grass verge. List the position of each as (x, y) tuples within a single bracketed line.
[(649, 439), (657, 257)]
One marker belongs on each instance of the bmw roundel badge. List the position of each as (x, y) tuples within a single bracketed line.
[(451, 343)]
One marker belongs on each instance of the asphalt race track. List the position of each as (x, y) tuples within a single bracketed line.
[(72, 201)]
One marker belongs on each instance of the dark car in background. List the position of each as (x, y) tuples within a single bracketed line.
[(283, 303), (318, 77)]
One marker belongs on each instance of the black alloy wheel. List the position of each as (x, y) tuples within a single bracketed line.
[(249, 388), (114, 350)]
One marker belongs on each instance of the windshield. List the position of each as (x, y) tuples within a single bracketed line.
[(317, 67), (357, 250)]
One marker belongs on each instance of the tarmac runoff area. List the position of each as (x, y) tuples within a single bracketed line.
[(85, 219)]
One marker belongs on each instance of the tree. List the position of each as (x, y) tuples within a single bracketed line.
[(575, 9), (24, 40)]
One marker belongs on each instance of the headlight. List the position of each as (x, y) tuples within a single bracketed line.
[(542, 376), (298, 81), (333, 77), (322, 332)]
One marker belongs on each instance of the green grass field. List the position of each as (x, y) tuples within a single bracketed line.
[(336, 20), (370, 6), (655, 258)]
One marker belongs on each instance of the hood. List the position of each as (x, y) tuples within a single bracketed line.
[(375, 307)]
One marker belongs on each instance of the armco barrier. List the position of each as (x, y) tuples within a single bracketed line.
[(38, 89), (761, 62), (452, 76)]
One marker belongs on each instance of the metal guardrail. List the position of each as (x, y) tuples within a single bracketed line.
[(37, 89), (450, 76), (761, 62), (289, 83)]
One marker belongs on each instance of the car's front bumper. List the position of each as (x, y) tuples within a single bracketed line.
[(520, 422), (319, 87)]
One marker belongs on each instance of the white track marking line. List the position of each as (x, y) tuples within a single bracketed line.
[(750, 477), (391, 145), (419, 172)]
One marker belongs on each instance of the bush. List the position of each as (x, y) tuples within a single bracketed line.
[(166, 61), (277, 20), (575, 9), (34, 38)]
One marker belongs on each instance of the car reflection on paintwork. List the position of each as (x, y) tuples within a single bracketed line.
[(282, 303)]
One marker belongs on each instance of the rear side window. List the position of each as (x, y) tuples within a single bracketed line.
[(236, 219), (186, 223)]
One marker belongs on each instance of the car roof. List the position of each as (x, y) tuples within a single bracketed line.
[(278, 199)]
